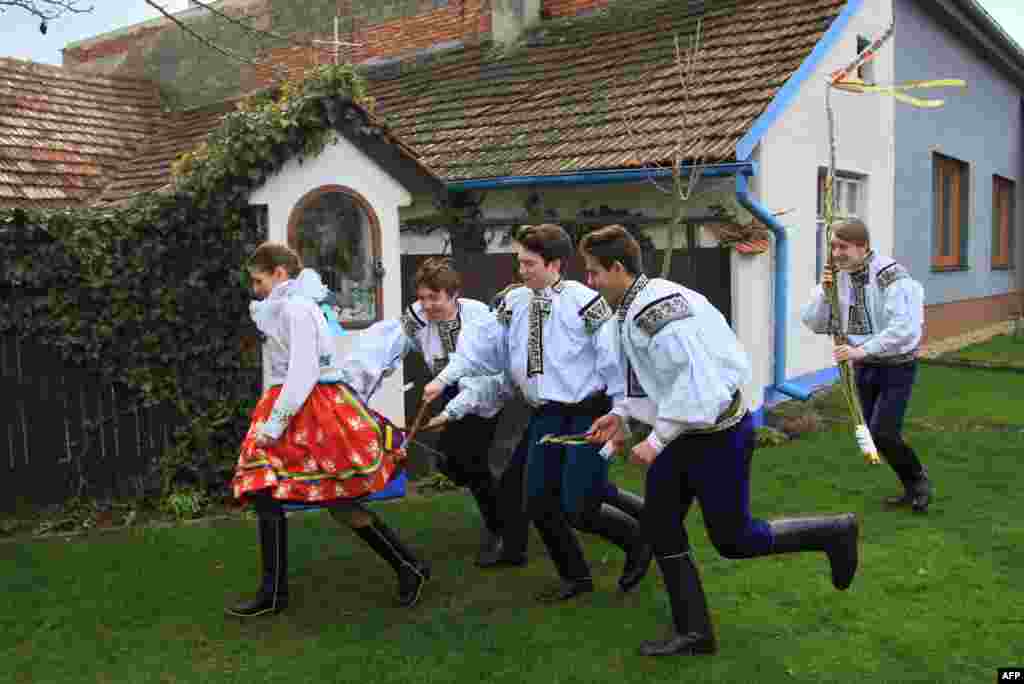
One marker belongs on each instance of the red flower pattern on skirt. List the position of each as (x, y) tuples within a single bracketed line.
[(333, 448)]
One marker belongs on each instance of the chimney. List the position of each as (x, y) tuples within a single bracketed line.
[(511, 18)]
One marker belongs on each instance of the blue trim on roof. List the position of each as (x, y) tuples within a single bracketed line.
[(780, 103), (745, 168)]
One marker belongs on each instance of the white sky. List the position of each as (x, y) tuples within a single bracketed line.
[(20, 37)]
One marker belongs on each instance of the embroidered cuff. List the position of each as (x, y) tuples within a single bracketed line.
[(622, 411)]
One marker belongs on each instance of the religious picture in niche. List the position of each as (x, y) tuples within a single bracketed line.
[(334, 239)]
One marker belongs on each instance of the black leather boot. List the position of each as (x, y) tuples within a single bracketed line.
[(485, 494), (273, 595), (412, 573), (623, 531), (836, 535), (921, 492), (694, 633)]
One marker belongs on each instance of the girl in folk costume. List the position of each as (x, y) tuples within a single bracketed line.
[(882, 316), (431, 326), (312, 440), (683, 369)]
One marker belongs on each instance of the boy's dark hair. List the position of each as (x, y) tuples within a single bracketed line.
[(438, 273), (548, 240), (269, 255), (611, 244), (852, 230)]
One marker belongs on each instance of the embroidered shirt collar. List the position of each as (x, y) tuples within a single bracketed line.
[(627, 299), (860, 274)]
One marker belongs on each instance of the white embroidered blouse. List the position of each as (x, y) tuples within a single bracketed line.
[(384, 345), (683, 363), (299, 349), (547, 342), (881, 310)]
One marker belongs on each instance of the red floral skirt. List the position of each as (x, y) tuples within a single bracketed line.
[(333, 448)]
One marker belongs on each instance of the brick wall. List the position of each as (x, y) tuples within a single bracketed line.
[(466, 20), (569, 8)]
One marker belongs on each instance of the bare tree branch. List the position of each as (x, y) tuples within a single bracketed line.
[(45, 10)]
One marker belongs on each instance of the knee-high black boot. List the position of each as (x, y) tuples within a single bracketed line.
[(627, 502), (623, 531), (917, 488), (412, 573), (836, 535), (273, 594), (694, 633)]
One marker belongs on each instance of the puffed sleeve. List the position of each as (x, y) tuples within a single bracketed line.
[(303, 368), (376, 355), (482, 396), (610, 366), (482, 350), (682, 351), (904, 309), (817, 312)]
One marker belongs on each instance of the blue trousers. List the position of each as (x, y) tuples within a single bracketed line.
[(561, 487), (884, 395), (714, 469)]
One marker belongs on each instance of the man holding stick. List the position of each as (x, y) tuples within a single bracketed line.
[(683, 370), (882, 312)]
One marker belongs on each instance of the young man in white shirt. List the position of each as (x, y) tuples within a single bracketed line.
[(882, 316)]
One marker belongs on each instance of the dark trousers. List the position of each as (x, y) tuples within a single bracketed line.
[(713, 468), (466, 445), (884, 394)]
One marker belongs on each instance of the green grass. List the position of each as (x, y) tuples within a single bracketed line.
[(938, 598), (1001, 349)]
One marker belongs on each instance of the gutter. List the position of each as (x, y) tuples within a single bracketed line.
[(780, 289), (601, 177)]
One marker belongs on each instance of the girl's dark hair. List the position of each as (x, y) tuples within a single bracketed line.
[(548, 240), (269, 255), (438, 273), (611, 244)]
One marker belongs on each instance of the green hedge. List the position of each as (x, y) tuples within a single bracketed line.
[(154, 294)]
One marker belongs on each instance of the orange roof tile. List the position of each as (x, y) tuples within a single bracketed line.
[(63, 134), (602, 91)]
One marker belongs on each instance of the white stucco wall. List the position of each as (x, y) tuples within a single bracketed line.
[(790, 154), (343, 164)]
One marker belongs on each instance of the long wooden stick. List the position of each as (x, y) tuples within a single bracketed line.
[(419, 420)]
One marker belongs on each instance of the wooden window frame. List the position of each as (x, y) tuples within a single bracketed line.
[(373, 222), (849, 178), (1004, 193), (951, 256)]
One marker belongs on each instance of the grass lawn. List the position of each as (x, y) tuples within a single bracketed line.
[(1001, 349), (938, 598)]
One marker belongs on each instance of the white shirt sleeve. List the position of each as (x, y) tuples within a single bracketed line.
[(378, 352), (904, 309), (482, 396), (303, 369), (698, 395), (817, 312), (482, 350)]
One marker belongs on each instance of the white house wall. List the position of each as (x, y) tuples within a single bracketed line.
[(345, 165), (790, 154)]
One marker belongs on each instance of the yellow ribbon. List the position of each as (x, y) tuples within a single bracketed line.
[(897, 91)]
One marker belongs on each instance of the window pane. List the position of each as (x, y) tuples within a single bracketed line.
[(997, 220), (334, 234), (852, 199)]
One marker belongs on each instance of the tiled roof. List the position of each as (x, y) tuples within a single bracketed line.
[(150, 168), (63, 134), (602, 91)]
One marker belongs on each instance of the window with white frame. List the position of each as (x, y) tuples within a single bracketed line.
[(850, 198)]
